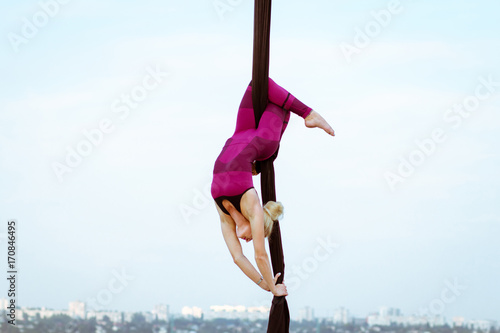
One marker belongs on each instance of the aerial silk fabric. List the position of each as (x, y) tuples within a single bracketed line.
[(279, 316)]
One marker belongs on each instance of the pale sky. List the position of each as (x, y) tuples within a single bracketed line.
[(385, 74)]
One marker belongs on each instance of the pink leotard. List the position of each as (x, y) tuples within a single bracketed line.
[(232, 175)]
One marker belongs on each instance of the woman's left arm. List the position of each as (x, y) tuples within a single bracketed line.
[(234, 246)]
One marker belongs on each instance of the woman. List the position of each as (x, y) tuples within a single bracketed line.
[(237, 202)]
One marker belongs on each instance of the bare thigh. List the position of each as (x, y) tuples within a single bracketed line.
[(223, 216)]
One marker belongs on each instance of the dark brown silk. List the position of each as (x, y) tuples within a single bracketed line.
[(279, 317), (260, 68)]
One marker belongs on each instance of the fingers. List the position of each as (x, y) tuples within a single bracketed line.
[(281, 288), (284, 291)]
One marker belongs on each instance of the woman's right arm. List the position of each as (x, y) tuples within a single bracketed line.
[(234, 246), (255, 215)]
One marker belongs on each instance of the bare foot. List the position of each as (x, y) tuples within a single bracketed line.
[(314, 119)]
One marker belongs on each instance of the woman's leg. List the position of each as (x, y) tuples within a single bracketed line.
[(245, 119), (281, 97), (316, 120), (276, 95)]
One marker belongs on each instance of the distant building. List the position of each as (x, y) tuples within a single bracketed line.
[(127, 316), (423, 320), (392, 316), (258, 312), (149, 316), (306, 314), (32, 314), (383, 312), (394, 312), (3, 304), (193, 312), (114, 316), (358, 321), (374, 319), (341, 316), (161, 312), (483, 325), (77, 310), (3, 307), (238, 312), (458, 321)]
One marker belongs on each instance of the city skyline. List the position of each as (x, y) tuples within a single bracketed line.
[(113, 114), (383, 316)]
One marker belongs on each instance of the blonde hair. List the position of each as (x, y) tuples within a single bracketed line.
[(272, 212)]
